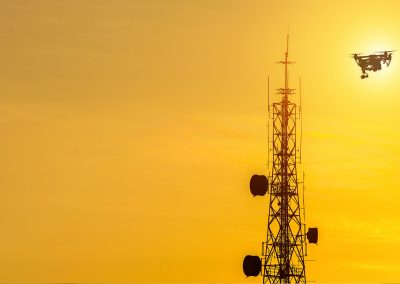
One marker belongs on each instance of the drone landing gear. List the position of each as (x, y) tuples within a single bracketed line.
[(363, 76)]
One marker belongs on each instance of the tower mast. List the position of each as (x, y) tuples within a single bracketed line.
[(283, 251)]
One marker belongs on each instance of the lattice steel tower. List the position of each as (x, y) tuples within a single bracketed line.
[(283, 251), (282, 259)]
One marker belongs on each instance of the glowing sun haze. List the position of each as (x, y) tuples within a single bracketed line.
[(130, 130)]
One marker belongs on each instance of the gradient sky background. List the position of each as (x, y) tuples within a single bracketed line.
[(130, 130)]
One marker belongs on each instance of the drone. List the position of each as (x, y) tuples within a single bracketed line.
[(372, 62)]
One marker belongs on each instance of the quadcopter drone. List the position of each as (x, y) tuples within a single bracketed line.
[(372, 62)]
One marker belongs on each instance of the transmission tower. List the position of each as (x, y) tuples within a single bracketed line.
[(282, 259)]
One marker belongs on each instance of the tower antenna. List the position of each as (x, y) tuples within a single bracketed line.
[(283, 252)]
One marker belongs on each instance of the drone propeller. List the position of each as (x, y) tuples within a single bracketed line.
[(354, 55), (387, 51)]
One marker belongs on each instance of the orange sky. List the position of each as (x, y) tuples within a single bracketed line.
[(130, 130)]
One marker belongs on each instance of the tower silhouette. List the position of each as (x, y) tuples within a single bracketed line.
[(283, 252)]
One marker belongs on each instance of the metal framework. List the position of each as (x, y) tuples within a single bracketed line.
[(283, 250)]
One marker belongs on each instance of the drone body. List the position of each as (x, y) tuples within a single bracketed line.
[(372, 62)]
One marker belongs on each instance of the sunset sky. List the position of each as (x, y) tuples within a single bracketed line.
[(130, 130)]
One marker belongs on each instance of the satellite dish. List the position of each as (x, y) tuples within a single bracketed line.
[(251, 265), (312, 235), (258, 185)]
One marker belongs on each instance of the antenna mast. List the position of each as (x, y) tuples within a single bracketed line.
[(283, 251)]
